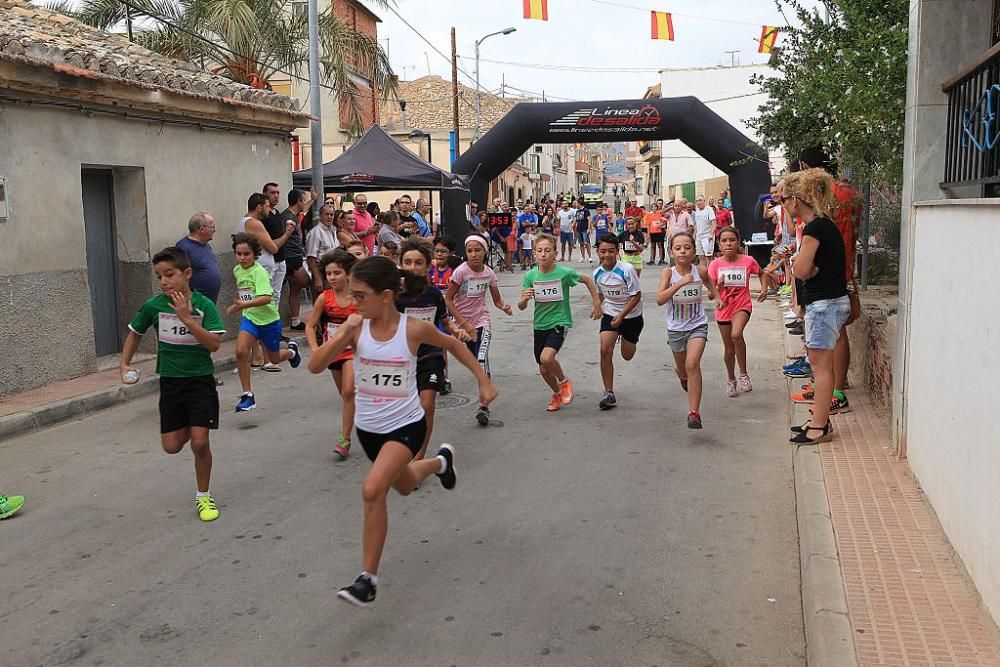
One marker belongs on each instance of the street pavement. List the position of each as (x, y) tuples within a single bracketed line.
[(577, 538)]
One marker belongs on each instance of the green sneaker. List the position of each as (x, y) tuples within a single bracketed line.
[(207, 511), (9, 505)]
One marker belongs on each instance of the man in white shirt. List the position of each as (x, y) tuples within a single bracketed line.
[(704, 229), (321, 239), (567, 222)]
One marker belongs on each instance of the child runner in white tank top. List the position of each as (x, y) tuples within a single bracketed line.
[(389, 418), (682, 288)]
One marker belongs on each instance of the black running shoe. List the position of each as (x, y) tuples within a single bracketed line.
[(446, 388), (609, 401), (361, 592), (301, 326), (694, 420), (448, 476), (483, 415)]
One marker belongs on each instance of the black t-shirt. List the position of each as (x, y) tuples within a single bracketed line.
[(829, 282), (632, 237), (421, 308), (275, 226), (408, 220), (293, 248)]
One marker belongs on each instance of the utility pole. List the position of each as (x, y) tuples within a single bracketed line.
[(454, 90), (315, 106)]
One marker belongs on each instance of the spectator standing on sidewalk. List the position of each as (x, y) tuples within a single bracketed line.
[(422, 212), (295, 252), (321, 239), (364, 222), (280, 231), (205, 275)]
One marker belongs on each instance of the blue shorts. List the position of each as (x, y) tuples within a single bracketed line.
[(566, 237), (269, 335), (824, 320), (583, 238)]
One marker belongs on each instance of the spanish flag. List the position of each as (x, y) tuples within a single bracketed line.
[(662, 26), (768, 36), (536, 9)]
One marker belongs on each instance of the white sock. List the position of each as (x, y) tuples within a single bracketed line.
[(444, 465), (295, 321), (372, 577), (199, 494)]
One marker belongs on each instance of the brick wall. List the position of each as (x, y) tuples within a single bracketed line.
[(873, 345), (365, 23)]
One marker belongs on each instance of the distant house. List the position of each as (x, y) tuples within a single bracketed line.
[(106, 149)]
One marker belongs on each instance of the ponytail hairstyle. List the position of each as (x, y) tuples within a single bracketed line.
[(379, 273), (415, 285), (813, 187)]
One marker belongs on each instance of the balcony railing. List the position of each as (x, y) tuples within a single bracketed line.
[(972, 153)]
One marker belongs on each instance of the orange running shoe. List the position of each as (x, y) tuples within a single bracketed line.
[(566, 389), (556, 402)]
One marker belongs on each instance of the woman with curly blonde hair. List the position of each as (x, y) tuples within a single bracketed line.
[(820, 265)]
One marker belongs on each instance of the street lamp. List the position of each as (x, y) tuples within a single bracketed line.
[(505, 31), (420, 134)]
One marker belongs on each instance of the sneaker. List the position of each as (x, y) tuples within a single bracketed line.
[(446, 387), (791, 315), (609, 401), (342, 449), (9, 505), (802, 370), (731, 389), (793, 324), (745, 385), (246, 403), (361, 592), (555, 403), (694, 420), (796, 361), (591, 260), (207, 511), (219, 382), (483, 415), (684, 384), (448, 476), (296, 356), (566, 389), (839, 405), (662, 262), (805, 396), (301, 326)]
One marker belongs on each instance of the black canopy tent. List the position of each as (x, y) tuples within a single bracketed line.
[(378, 162)]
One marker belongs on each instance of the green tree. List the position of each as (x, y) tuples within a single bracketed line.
[(840, 82), (250, 41)]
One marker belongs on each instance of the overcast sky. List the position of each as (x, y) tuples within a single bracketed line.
[(579, 33)]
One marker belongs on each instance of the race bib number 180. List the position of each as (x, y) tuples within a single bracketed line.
[(734, 276)]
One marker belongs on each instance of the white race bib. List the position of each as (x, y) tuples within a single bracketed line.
[(331, 328), (615, 293), (734, 276), (172, 330), (629, 246), (548, 291), (244, 294), (476, 286), (688, 294), (384, 378), (425, 314)]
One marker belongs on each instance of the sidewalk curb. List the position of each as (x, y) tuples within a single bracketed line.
[(84, 404), (829, 637)]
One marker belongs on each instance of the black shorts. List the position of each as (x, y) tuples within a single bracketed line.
[(729, 323), (411, 435), (630, 327), (553, 338), (430, 373), (339, 365), (658, 237), (186, 402), (292, 264)]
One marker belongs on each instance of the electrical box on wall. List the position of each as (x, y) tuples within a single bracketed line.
[(4, 208)]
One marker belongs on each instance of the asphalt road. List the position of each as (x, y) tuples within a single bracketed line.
[(576, 538)]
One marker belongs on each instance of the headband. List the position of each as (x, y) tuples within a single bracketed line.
[(477, 238)]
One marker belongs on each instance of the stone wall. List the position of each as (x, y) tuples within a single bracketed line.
[(873, 344)]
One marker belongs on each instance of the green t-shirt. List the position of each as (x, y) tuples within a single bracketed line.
[(250, 284), (178, 352), (552, 296)]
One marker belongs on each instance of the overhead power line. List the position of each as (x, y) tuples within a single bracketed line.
[(687, 16)]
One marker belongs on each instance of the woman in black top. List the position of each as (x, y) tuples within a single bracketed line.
[(820, 265)]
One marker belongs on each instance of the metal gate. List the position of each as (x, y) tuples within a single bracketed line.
[(102, 259)]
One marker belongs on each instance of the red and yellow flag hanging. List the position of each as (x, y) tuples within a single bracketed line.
[(536, 9), (768, 36), (662, 26)]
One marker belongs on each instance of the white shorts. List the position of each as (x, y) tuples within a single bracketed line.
[(705, 245)]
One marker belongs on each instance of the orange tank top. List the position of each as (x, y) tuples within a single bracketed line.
[(333, 316)]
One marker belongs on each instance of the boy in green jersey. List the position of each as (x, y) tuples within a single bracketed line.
[(548, 284), (188, 329)]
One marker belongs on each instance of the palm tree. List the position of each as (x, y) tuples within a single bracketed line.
[(250, 41)]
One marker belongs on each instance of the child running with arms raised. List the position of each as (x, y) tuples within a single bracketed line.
[(188, 329), (330, 311), (733, 305), (680, 290), (621, 303), (548, 284), (389, 420), (466, 300)]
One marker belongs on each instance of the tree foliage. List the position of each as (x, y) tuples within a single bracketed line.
[(251, 41), (840, 82)]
